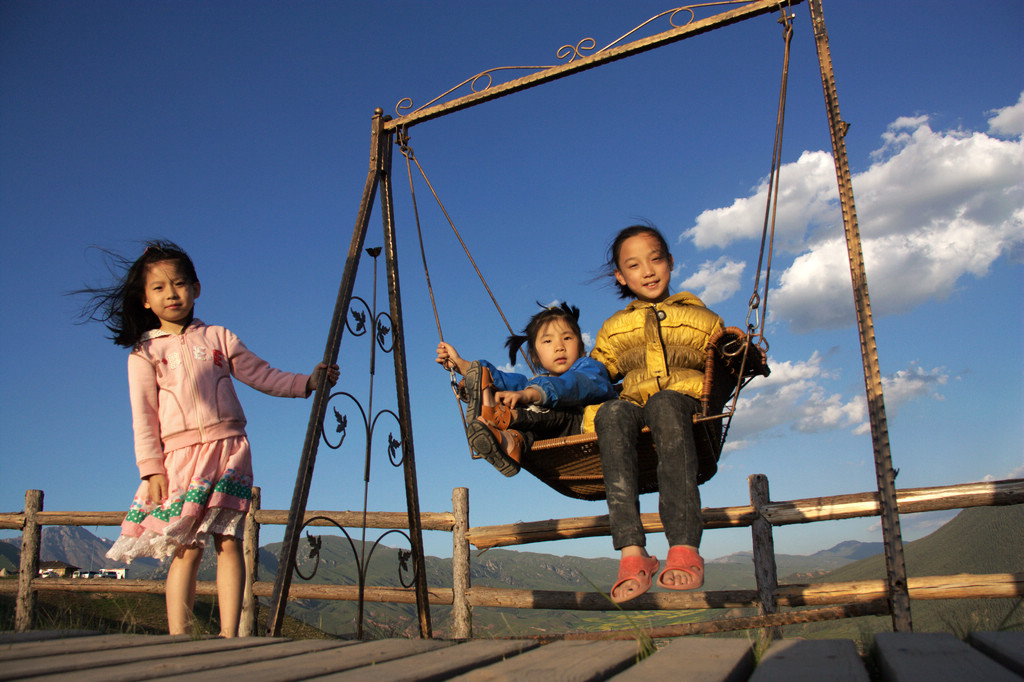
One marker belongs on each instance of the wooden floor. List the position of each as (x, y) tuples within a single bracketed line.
[(935, 657)]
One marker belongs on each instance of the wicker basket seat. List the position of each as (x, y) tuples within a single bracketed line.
[(572, 465)]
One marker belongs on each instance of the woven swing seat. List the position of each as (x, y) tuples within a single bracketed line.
[(571, 465)]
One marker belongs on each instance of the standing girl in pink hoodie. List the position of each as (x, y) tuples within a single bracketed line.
[(190, 443)]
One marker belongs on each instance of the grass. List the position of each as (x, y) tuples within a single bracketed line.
[(140, 614)]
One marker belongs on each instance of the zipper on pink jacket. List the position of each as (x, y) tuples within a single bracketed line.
[(195, 389)]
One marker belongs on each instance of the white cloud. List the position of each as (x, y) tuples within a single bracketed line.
[(807, 194), (932, 208), (912, 383), (1014, 473), (714, 281), (797, 396), (794, 397), (1008, 121)]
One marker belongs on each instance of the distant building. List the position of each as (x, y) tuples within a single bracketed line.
[(82, 573), (56, 569), (115, 573)]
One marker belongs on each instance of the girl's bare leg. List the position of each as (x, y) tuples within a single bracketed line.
[(180, 591), (230, 582)]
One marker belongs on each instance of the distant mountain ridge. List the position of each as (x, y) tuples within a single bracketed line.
[(78, 547), (978, 540), (495, 568)]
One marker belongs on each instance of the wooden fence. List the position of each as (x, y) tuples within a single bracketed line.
[(828, 600)]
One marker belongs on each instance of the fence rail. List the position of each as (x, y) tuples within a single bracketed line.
[(828, 600)]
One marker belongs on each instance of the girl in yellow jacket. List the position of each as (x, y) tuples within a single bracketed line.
[(656, 346)]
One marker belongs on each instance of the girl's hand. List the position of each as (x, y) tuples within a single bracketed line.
[(332, 376), (449, 358), (527, 396), (157, 488)]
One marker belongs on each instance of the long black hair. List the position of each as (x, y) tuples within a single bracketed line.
[(564, 311), (616, 246), (120, 305)]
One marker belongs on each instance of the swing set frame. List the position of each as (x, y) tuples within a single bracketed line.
[(386, 132)]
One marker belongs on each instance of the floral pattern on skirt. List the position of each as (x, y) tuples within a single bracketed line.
[(209, 492)]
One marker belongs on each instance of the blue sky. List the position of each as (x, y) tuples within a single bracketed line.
[(241, 131)]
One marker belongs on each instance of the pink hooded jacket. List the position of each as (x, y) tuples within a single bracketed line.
[(182, 393)]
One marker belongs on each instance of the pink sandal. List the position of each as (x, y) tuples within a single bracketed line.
[(638, 568), (685, 559)]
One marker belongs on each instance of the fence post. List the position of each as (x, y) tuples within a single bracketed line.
[(765, 571), (251, 553), (25, 607), (462, 615)]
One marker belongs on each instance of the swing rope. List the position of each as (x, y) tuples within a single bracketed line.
[(410, 158), (571, 464), (772, 204), (758, 304)]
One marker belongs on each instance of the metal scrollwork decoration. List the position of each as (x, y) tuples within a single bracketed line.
[(676, 17), (406, 574), (363, 318)]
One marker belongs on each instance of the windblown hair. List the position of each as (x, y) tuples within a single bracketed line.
[(569, 313), (616, 247), (120, 306)]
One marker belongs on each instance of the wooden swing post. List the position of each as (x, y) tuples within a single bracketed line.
[(896, 570)]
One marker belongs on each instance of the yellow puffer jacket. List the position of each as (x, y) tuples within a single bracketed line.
[(653, 347)]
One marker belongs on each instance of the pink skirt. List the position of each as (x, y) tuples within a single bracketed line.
[(209, 491)]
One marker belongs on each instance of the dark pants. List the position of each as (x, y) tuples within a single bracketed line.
[(543, 424), (669, 414)]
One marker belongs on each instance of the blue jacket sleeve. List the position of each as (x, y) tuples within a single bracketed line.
[(505, 381), (587, 382)]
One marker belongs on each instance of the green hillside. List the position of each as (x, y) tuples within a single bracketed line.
[(511, 569), (978, 540), (9, 557)]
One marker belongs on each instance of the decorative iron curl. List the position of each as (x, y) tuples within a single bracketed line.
[(574, 51), (316, 544), (566, 54), (341, 420), (359, 315), (393, 444), (384, 332), (406, 103), (341, 426), (358, 326)]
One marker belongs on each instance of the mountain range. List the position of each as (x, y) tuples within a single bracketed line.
[(978, 540)]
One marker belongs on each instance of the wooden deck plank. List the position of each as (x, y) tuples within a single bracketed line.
[(564, 661), (440, 664), (320, 663), (936, 657), (127, 649), (228, 661), (78, 644), (37, 635), (1005, 648), (794, 660), (695, 659)]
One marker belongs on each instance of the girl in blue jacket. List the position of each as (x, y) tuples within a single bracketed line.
[(507, 411)]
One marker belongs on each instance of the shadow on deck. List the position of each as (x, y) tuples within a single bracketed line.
[(990, 656)]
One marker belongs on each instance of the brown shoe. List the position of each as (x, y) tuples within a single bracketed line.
[(478, 378), (498, 415), (503, 449)]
